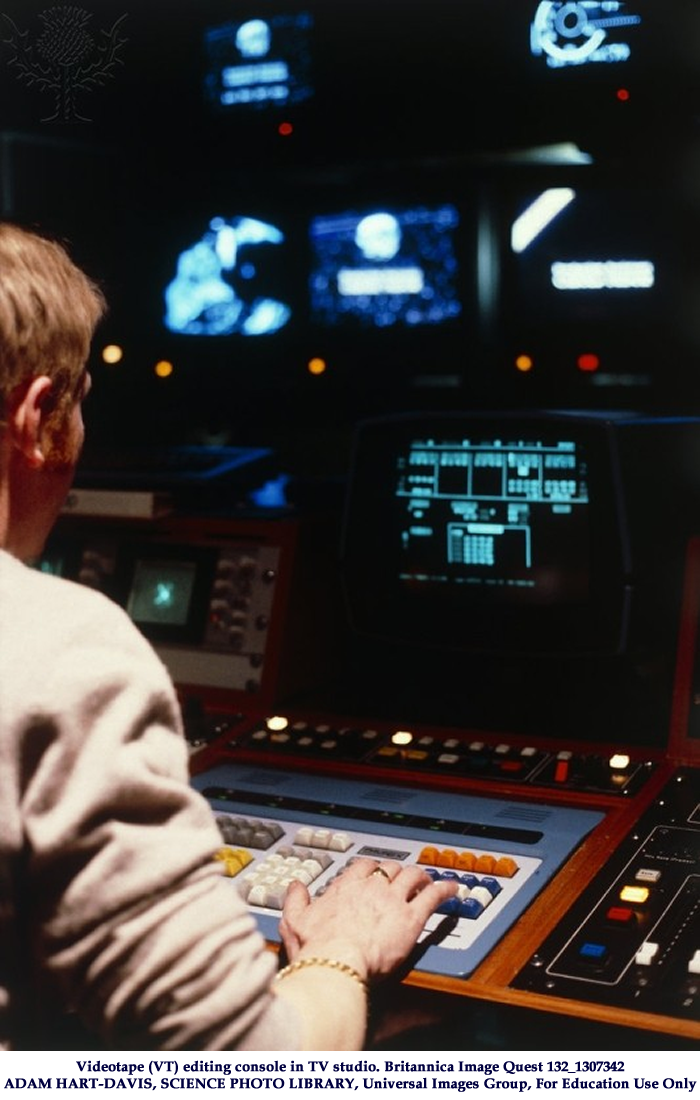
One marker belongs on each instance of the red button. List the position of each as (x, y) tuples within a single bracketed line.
[(620, 915), (561, 772), (511, 766)]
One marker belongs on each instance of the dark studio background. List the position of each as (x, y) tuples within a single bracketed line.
[(427, 102)]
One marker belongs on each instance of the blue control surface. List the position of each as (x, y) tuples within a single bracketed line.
[(277, 826)]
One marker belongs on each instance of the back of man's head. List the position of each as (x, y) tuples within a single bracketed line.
[(48, 313)]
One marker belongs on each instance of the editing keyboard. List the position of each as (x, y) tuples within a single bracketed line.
[(278, 826)]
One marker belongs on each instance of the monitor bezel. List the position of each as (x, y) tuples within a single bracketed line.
[(201, 559), (378, 605)]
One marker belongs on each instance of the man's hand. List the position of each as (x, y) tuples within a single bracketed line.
[(370, 916)]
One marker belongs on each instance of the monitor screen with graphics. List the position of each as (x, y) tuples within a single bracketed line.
[(486, 533), (225, 281), (392, 266), (259, 62)]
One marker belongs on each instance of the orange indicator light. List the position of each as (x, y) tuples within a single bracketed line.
[(112, 353)]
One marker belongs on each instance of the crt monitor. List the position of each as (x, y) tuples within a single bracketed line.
[(259, 62), (566, 34), (487, 533), (587, 275), (385, 266), (165, 590), (223, 281)]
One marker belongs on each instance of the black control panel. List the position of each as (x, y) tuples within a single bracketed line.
[(303, 740), (632, 938)]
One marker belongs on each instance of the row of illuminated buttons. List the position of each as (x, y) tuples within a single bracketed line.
[(322, 737), (454, 744), (263, 834), (389, 754), (503, 866), (279, 730), (475, 755)]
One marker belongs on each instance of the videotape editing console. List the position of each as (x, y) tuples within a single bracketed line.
[(577, 862)]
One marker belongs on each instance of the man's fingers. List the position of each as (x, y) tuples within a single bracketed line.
[(296, 901)]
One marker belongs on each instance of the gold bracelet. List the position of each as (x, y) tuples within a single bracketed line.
[(318, 960)]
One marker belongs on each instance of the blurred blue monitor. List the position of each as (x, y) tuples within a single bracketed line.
[(220, 286), (565, 33), (385, 267), (259, 62)]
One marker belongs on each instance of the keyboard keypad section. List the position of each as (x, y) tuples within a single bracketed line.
[(248, 831), (478, 878), (265, 856), (266, 886), (233, 860)]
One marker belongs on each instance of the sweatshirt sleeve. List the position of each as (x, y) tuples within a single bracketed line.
[(131, 921)]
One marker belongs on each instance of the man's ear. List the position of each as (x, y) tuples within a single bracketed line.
[(27, 418)]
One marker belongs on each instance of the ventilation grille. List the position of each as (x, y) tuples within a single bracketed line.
[(393, 797), (525, 813)]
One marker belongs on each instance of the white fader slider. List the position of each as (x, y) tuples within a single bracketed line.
[(694, 964), (646, 954)]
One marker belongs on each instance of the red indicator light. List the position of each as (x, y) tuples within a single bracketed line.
[(588, 362), (622, 94), (285, 129)]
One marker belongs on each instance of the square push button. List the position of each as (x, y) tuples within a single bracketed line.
[(593, 952)]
